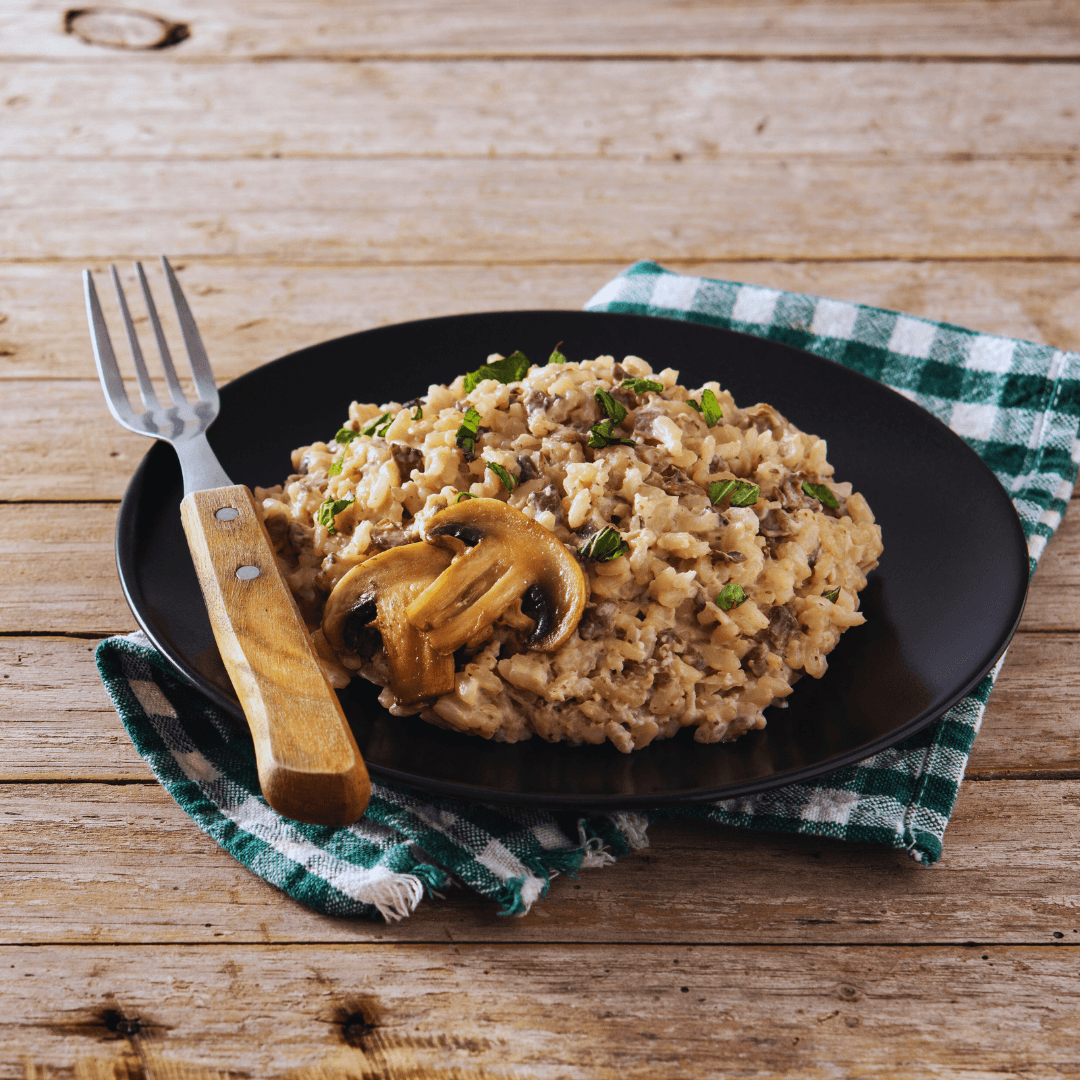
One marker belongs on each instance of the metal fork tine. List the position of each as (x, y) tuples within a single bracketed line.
[(200, 365), (108, 371), (175, 392), (146, 387)]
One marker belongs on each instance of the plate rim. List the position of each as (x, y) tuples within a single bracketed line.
[(126, 559)]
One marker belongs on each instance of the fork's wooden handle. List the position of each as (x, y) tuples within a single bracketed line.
[(309, 765)]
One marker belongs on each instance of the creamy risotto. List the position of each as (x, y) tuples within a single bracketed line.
[(719, 558)]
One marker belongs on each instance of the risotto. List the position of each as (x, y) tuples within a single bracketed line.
[(668, 559)]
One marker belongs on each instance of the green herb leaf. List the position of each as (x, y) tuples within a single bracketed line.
[(467, 433), (379, 421), (419, 414), (604, 546), (640, 386), (615, 411), (693, 404), (710, 408), (510, 369), (508, 478), (330, 510), (833, 596), (556, 357), (741, 492), (335, 469), (345, 436), (464, 495), (602, 434), (822, 494), (731, 595)]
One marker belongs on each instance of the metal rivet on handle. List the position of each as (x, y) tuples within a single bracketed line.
[(248, 573), (227, 513)]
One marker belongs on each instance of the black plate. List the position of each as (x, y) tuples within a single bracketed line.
[(940, 609)]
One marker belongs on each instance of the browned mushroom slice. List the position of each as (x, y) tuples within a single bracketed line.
[(503, 555), (378, 592)]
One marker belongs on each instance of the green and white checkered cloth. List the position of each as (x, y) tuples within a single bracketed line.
[(1017, 404)]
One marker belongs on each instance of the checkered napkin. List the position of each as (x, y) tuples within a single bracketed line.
[(1017, 404)]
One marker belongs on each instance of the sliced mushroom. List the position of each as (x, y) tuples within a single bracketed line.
[(378, 591), (501, 555)]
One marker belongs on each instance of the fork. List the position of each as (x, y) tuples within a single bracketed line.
[(310, 768)]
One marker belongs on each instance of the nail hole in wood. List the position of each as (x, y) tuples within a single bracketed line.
[(124, 28)]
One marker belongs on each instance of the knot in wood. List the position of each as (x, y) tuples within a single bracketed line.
[(356, 1029), (120, 1024), (124, 28)]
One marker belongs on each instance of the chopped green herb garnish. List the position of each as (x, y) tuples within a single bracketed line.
[(508, 478), (822, 494), (603, 434), (710, 408), (604, 546), (345, 436), (693, 404), (640, 386), (731, 595), (833, 596), (556, 357), (383, 422), (419, 414), (464, 495), (330, 510), (467, 433), (741, 492), (510, 369), (614, 409), (335, 469)]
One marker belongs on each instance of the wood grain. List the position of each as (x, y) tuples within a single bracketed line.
[(58, 723), (819, 28), (440, 1011), (59, 570), (477, 211), (85, 863), (709, 109), (249, 314)]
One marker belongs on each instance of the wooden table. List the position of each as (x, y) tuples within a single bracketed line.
[(317, 168)]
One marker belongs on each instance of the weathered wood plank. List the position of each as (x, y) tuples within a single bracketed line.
[(829, 28), (479, 211), (249, 313), (536, 109), (1028, 724), (59, 570), (60, 575), (545, 1012), (58, 723), (66, 424), (83, 863)]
